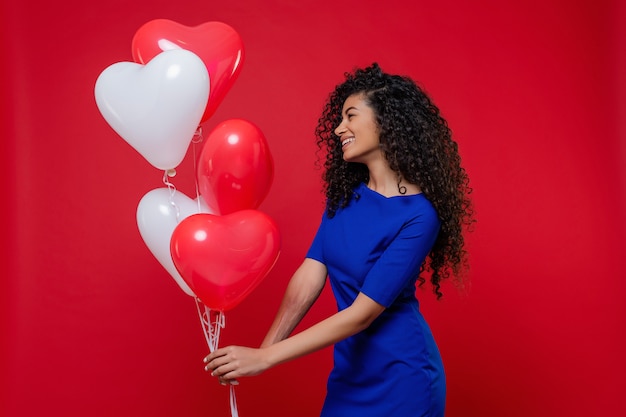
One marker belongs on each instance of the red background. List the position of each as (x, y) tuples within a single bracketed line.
[(534, 92)]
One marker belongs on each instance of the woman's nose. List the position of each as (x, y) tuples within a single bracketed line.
[(340, 129)]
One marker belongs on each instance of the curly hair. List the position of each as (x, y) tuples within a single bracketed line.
[(417, 143)]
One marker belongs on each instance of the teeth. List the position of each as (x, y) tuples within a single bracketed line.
[(346, 141)]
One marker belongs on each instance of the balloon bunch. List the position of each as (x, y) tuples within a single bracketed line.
[(218, 247)]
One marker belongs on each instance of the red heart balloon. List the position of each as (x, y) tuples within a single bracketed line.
[(235, 167), (217, 44), (224, 258)]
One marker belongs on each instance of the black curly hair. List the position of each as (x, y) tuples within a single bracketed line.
[(418, 145)]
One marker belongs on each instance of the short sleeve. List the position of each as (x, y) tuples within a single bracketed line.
[(398, 267), (316, 250)]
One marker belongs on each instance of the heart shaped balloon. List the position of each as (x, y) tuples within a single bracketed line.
[(224, 258), (216, 43), (235, 167), (158, 213), (155, 107)]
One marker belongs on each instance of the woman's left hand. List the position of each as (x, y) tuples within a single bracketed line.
[(232, 362)]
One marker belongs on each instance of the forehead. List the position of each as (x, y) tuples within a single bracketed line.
[(356, 101)]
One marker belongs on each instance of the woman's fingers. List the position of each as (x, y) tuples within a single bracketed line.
[(216, 354), (233, 362), (216, 359), (219, 368), (219, 363), (228, 381)]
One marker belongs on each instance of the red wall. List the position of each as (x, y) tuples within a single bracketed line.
[(534, 91)]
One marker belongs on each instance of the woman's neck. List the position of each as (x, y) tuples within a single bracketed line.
[(385, 181)]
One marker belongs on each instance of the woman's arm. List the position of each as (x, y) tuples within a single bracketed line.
[(234, 361), (303, 289)]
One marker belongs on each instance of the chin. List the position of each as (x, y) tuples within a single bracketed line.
[(348, 158)]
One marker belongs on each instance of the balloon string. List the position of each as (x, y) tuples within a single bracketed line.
[(197, 138), (172, 189), (166, 179), (211, 326), (233, 402), (212, 329)]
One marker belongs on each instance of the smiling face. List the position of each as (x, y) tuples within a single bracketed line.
[(358, 131)]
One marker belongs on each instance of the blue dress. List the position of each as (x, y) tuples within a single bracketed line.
[(376, 246)]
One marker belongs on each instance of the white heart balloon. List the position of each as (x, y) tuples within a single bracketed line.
[(158, 214), (156, 107)]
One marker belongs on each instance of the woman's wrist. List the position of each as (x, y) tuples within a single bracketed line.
[(269, 355)]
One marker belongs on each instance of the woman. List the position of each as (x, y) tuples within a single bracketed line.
[(397, 202)]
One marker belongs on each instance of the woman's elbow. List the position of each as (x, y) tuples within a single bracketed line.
[(365, 312)]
